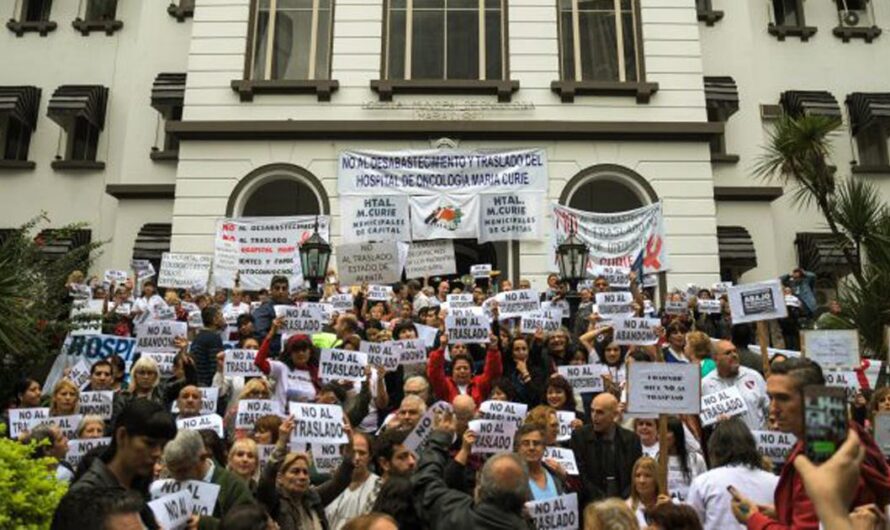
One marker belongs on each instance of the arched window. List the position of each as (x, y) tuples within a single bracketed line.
[(607, 189), (278, 190)]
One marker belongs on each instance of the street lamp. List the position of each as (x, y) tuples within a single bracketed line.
[(573, 256), (315, 253)]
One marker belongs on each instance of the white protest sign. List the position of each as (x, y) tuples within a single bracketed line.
[(564, 457), (427, 334), (250, 410), (307, 318), (467, 326), (664, 388), (546, 321), (377, 218), (721, 288), (774, 445), (98, 403), (182, 271), (676, 307), (565, 418), (431, 258), (614, 304), (80, 291), (425, 426), (723, 403), (197, 423), (115, 276), (80, 447), (832, 348), (503, 411), (557, 513), (20, 420), (482, 270), (344, 365), (757, 301), (265, 453), (493, 436), (882, 432), (584, 377), (262, 247), (379, 293), (203, 494), (163, 360), (618, 277), (143, 268), (80, 374), (317, 423), (709, 307), (326, 457), (86, 317), (173, 511), (342, 302), (639, 331), (369, 263), (846, 379), (458, 301), (776, 351), (66, 424), (158, 336), (381, 354), (411, 351), (516, 303), (239, 362), (792, 301), (510, 216), (209, 399)]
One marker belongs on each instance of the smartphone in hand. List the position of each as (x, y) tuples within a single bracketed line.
[(825, 421)]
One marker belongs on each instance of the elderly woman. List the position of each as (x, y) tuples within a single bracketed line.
[(546, 418), (244, 460), (285, 490), (545, 480), (65, 399), (257, 388), (55, 446), (91, 426)]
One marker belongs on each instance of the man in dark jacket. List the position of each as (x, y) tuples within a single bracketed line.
[(502, 493), (265, 314), (605, 452)]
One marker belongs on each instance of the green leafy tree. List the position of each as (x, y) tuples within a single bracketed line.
[(33, 298), (29, 490)]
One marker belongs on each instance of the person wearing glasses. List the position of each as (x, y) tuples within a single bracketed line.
[(546, 479)]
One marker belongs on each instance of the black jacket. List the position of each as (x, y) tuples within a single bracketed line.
[(99, 477), (626, 450), (448, 509)]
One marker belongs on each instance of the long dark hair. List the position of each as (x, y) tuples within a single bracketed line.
[(561, 383), (675, 426), (22, 386), (733, 444), (395, 500)]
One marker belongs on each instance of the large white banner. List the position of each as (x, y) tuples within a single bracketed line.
[(444, 216), (618, 239), (262, 247), (435, 171), (376, 218), (511, 216), (184, 271)]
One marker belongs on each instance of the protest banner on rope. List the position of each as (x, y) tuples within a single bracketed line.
[(564, 457), (431, 258), (516, 303), (584, 377), (638, 331), (258, 248), (754, 302), (724, 403), (250, 410), (376, 263), (831, 348), (173, 511), (775, 445), (78, 448), (98, 403), (339, 364), (503, 411), (203, 494), (664, 388), (317, 423), (383, 354), (197, 423), (183, 271), (239, 362), (557, 513), (20, 420), (424, 427), (374, 218), (493, 436), (159, 335), (209, 400), (467, 326)]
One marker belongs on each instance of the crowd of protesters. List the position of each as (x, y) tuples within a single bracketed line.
[(628, 475)]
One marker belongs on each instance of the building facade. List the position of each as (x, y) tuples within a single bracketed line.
[(633, 101)]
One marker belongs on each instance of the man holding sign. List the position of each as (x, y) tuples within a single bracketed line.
[(749, 383)]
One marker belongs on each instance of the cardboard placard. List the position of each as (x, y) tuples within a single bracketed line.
[(618, 277), (382, 354), (709, 307), (369, 263), (202, 494), (379, 293), (425, 426), (317, 423), (584, 377), (503, 411), (458, 301), (183, 271), (158, 336), (342, 302), (757, 301), (723, 403), (467, 326), (197, 423), (664, 388), (326, 457), (639, 331), (547, 321), (343, 365), (306, 319), (614, 304), (564, 457), (376, 218), (556, 513), (99, 403), (78, 448), (250, 410), (431, 258), (493, 436), (21, 420), (173, 511), (774, 445), (240, 362), (517, 303), (832, 348), (411, 351)]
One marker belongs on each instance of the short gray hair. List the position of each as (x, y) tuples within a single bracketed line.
[(419, 400), (508, 495), (184, 450)]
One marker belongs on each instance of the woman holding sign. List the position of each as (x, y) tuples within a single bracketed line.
[(296, 374), (462, 380), (544, 480), (65, 399)]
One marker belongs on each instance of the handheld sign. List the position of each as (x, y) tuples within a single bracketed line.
[(158, 335), (382, 354), (467, 326), (66, 424), (547, 321), (209, 399), (305, 319), (431, 258), (182, 271), (173, 511), (342, 302), (618, 277), (557, 513), (425, 426), (411, 351), (516, 303), (317, 423), (115, 276), (832, 348), (639, 331), (379, 293), (584, 377), (163, 360), (342, 364), (21, 420), (565, 418), (369, 263), (239, 362), (427, 334), (457, 301), (503, 411), (80, 374), (846, 379), (774, 445), (664, 388), (882, 432), (480, 271), (776, 351), (86, 317), (203, 495), (614, 304), (709, 307), (676, 307), (326, 457), (564, 457), (78, 448), (754, 302), (250, 410), (97, 403), (143, 268), (724, 403), (197, 423), (492, 436), (721, 288)]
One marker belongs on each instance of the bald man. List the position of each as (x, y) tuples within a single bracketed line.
[(464, 411), (605, 452), (749, 383)]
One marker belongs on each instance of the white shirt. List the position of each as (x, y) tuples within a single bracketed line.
[(709, 498), (678, 485), (352, 503), (652, 450), (752, 388)]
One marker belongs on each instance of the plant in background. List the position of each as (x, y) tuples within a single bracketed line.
[(29, 490)]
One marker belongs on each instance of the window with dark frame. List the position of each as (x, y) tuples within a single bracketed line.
[(872, 144), (98, 15), (787, 12), (787, 18), (80, 111), (18, 119), (15, 138), (182, 10), (599, 40), (291, 40), (706, 12), (33, 15), (856, 19), (36, 10)]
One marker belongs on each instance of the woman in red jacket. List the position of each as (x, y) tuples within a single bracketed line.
[(462, 380)]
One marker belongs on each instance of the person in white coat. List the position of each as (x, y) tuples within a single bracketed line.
[(735, 462)]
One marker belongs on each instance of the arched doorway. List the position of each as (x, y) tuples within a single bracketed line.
[(607, 188), (277, 190)]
